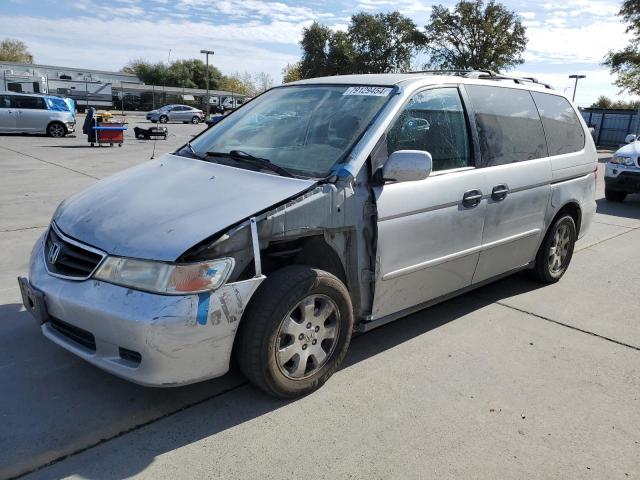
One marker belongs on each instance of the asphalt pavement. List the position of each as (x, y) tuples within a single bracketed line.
[(514, 380)]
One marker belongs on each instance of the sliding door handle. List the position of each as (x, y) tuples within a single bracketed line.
[(499, 192), (472, 198)]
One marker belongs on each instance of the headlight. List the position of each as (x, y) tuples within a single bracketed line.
[(165, 278), (620, 160)]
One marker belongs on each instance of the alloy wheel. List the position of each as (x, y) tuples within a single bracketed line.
[(307, 337), (559, 250), (56, 130)]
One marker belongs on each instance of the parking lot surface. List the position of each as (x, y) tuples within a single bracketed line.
[(515, 380)]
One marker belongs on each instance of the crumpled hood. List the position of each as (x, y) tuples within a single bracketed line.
[(632, 149), (161, 208)]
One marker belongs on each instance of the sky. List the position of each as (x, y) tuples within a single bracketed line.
[(565, 37)]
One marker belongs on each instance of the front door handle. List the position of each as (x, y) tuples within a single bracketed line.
[(472, 198), (499, 192)]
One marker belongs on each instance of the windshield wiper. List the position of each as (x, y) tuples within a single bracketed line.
[(265, 163), (194, 153)]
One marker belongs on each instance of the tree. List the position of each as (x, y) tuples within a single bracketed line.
[(14, 51), (191, 73), (315, 51), (384, 42), (472, 36), (262, 82), (625, 63), (291, 73), (240, 83), (605, 102), (377, 43)]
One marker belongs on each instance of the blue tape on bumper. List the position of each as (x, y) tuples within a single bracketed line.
[(203, 307)]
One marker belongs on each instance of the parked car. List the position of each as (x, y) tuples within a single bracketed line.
[(214, 119), (32, 113), (176, 113), (323, 207), (622, 173)]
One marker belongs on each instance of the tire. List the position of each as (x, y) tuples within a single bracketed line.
[(195, 120), (163, 119), (554, 255), (614, 195), (275, 320), (56, 130)]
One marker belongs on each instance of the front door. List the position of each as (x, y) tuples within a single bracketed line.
[(7, 114), (429, 231), (518, 172)]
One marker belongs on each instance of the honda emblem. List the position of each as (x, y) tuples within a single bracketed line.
[(52, 254)]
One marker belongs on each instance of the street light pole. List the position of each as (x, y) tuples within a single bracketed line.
[(575, 85), (206, 54)]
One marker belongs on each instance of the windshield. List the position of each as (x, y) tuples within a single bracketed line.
[(304, 129)]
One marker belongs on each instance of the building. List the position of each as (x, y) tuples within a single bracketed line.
[(104, 89)]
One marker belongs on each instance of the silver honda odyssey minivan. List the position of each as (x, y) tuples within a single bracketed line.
[(321, 208)]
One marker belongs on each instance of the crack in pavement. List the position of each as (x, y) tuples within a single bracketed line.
[(557, 322), (128, 430), (587, 247), (22, 229), (49, 163)]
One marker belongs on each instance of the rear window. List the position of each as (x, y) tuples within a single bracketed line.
[(509, 127), (29, 103), (561, 125), (5, 101)]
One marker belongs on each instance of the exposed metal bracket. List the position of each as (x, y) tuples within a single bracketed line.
[(256, 246)]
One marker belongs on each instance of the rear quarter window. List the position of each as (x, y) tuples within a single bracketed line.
[(561, 125), (509, 127), (29, 103)]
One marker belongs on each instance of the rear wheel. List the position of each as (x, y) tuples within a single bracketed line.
[(56, 130), (614, 195), (295, 332), (556, 250)]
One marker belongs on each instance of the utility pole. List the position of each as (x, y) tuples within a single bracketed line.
[(206, 54), (575, 85)]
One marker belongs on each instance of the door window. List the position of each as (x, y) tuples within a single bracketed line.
[(433, 121), (29, 103), (5, 101), (561, 125), (509, 127)]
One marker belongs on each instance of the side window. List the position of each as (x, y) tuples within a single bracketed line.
[(561, 126), (5, 101), (433, 121), (29, 103), (509, 127)]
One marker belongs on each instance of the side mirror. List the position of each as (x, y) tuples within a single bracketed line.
[(630, 138), (407, 165)]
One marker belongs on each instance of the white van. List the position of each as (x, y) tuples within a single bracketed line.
[(31, 113), (320, 208)]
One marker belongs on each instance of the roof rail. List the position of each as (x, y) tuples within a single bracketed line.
[(480, 75), (484, 75)]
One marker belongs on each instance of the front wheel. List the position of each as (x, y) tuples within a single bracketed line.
[(555, 253), (195, 120), (56, 130), (295, 332), (614, 195), (163, 119)]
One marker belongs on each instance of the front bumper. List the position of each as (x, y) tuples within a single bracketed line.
[(175, 340), (622, 179)]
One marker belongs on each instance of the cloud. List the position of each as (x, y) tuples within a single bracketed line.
[(554, 41)]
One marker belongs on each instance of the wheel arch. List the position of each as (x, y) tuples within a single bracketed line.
[(571, 208)]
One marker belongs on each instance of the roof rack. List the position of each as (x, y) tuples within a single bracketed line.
[(485, 75)]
